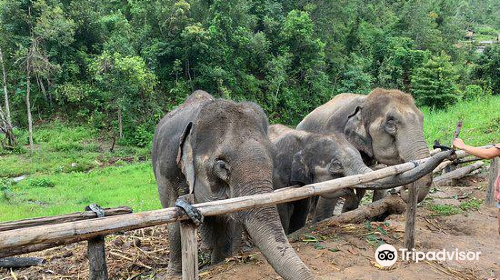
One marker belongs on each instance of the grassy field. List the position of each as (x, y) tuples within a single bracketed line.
[(481, 122), (72, 167)]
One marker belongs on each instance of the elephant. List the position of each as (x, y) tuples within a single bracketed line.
[(304, 158), (385, 126), (218, 149)]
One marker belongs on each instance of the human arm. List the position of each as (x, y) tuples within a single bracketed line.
[(487, 153)]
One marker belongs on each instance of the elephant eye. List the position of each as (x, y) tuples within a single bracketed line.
[(390, 126), (222, 169), (335, 167)]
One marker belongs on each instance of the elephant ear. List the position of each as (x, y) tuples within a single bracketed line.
[(300, 172), (185, 157), (356, 132)]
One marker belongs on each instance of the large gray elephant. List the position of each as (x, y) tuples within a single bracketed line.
[(385, 126), (219, 149)]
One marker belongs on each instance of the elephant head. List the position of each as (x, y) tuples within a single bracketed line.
[(322, 158), (387, 126), (226, 153)]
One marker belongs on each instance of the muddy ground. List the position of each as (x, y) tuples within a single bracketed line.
[(341, 252)]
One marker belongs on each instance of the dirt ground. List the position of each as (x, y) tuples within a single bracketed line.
[(342, 252)]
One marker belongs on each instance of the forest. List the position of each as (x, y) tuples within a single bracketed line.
[(118, 66)]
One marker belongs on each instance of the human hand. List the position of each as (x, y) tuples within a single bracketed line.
[(458, 143)]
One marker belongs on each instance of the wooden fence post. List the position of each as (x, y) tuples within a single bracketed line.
[(189, 246), (490, 192), (411, 216), (96, 251)]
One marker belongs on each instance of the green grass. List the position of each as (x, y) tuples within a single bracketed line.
[(62, 148), (44, 195), (471, 204), (481, 122), (444, 210)]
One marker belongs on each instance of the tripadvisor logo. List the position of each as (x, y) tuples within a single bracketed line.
[(387, 255)]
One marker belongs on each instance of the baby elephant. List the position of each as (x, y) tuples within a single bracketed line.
[(218, 149), (304, 158)]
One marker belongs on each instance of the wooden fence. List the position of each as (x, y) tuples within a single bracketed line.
[(38, 234)]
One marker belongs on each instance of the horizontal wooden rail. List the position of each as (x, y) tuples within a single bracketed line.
[(83, 230), (78, 216)]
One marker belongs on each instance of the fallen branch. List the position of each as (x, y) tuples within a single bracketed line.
[(20, 262), (457, 173), (392, 204)]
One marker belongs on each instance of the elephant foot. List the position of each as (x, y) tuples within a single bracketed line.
[(174, 269)]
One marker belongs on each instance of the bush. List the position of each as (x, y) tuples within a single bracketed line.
[(486, 30), (41, 183), (473, 92)]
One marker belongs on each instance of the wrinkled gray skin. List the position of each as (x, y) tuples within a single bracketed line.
[(220, 149), (384, 126), (304, 158)]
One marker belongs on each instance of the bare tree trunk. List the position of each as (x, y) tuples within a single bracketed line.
[(5, 93), (28, 108), (120, 125)]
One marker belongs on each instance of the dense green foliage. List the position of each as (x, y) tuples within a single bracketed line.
[(106, 62), (73, 168)]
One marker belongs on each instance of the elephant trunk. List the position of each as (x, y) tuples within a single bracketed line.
[(414, 147), (263, 224), (264, 227)]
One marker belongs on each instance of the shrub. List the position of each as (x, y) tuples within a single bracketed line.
[(473, 92), (41, 183)]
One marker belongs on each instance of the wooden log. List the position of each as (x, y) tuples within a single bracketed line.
[(96, 253), (458, 173), (411, 217), (37, 247), (82, 230), (441, 166), (63, 218), (20, 262), (493, 173), (189, 245), (467, 160), (434, 151), (392, 204)]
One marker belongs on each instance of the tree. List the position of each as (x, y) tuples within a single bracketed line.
[(434, 84), (127, 83), (486, 70)]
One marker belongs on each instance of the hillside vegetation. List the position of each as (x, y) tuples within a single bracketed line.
[(72, 167)]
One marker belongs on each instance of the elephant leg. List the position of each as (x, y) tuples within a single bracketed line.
[(324, 208), (299, 215), (168, 196), (352, 201), (218, 233), (285, 211), (379, 194)]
